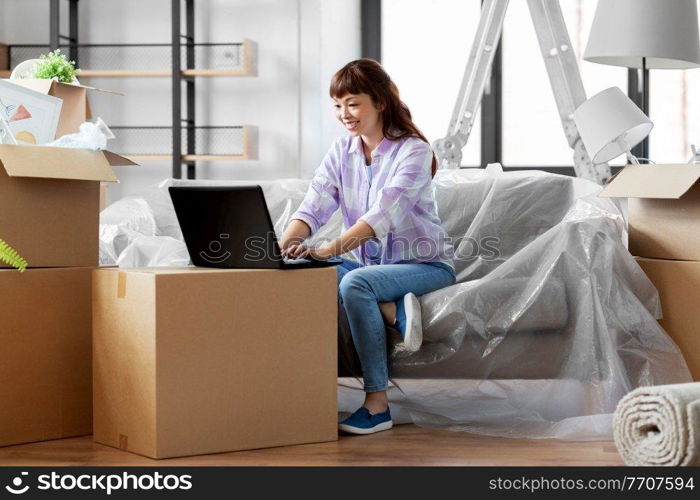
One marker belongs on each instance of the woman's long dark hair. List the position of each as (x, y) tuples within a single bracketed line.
[(366, 76)]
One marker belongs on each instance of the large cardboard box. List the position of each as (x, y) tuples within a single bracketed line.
[(49, 202), (191, 361), (75, 109), (45, 359), (678, 283), (664, 209)]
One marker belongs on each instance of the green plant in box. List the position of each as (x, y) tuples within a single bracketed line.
[(55, 66), (10, 256)]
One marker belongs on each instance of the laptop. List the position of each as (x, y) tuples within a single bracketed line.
[(230, 227)]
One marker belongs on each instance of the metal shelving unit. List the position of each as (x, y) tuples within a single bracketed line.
[(210, 143), (147, 59), (183, 60)]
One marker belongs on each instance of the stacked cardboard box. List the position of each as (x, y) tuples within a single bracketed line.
[(49, 201), (664, 235), (191, 361), (45, 366)]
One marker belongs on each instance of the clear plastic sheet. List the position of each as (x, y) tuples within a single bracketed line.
[(154, 251), (131, 227), (90, 136), (551, 320), (121, 223)]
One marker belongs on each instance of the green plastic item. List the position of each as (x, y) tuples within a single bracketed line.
[(10, 256)]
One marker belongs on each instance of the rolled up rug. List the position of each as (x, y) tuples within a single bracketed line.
[(659, 425)]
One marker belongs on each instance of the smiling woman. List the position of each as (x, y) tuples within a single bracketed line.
[(360, 116), (375, 96), (353, 109), (380, 176)]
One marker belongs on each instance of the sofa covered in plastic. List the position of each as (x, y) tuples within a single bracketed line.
[(551, 320)]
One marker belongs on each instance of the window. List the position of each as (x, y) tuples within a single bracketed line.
[(425, 47), (674, 107), (532, 130)]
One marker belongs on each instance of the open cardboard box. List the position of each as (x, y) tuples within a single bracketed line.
[(664, 209), (49, 202), (75, 109), (45, 360), (191, 361)]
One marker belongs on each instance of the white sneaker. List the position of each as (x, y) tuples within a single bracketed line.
[(412, 326)]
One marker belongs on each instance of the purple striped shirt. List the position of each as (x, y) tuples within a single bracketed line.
[(394, 195)]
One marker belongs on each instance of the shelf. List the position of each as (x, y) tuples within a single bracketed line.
[(233, 143), (150, 60), (186, 158), (124, 73), (121, 73), (214, 72)]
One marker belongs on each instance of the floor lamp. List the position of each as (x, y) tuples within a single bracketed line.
[(643, 35)]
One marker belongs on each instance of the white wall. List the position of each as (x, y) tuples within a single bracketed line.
[(301, 43)]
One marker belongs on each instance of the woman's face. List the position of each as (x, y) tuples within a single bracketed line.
[(358, 114)]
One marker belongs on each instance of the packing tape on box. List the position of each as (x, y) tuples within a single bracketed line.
[(121, 286)]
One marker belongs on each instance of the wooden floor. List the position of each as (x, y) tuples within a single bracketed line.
[(404, 445)]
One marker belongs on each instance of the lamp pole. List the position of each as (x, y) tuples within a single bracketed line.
[(638, 91)]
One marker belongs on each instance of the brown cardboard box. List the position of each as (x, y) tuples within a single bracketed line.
[(191, 361), (75, 109), (45, 360), (664, 209), (103, 195), (678, 283), (49, 202)]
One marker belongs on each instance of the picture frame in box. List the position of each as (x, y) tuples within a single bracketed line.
[(6, 135), (32, 116)]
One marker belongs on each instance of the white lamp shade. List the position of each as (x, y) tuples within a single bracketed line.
[(665, 32), (610, 124)]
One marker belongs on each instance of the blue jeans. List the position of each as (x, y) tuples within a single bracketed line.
[(362, 288)]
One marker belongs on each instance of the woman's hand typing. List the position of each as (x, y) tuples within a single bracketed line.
[(299, 251)]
